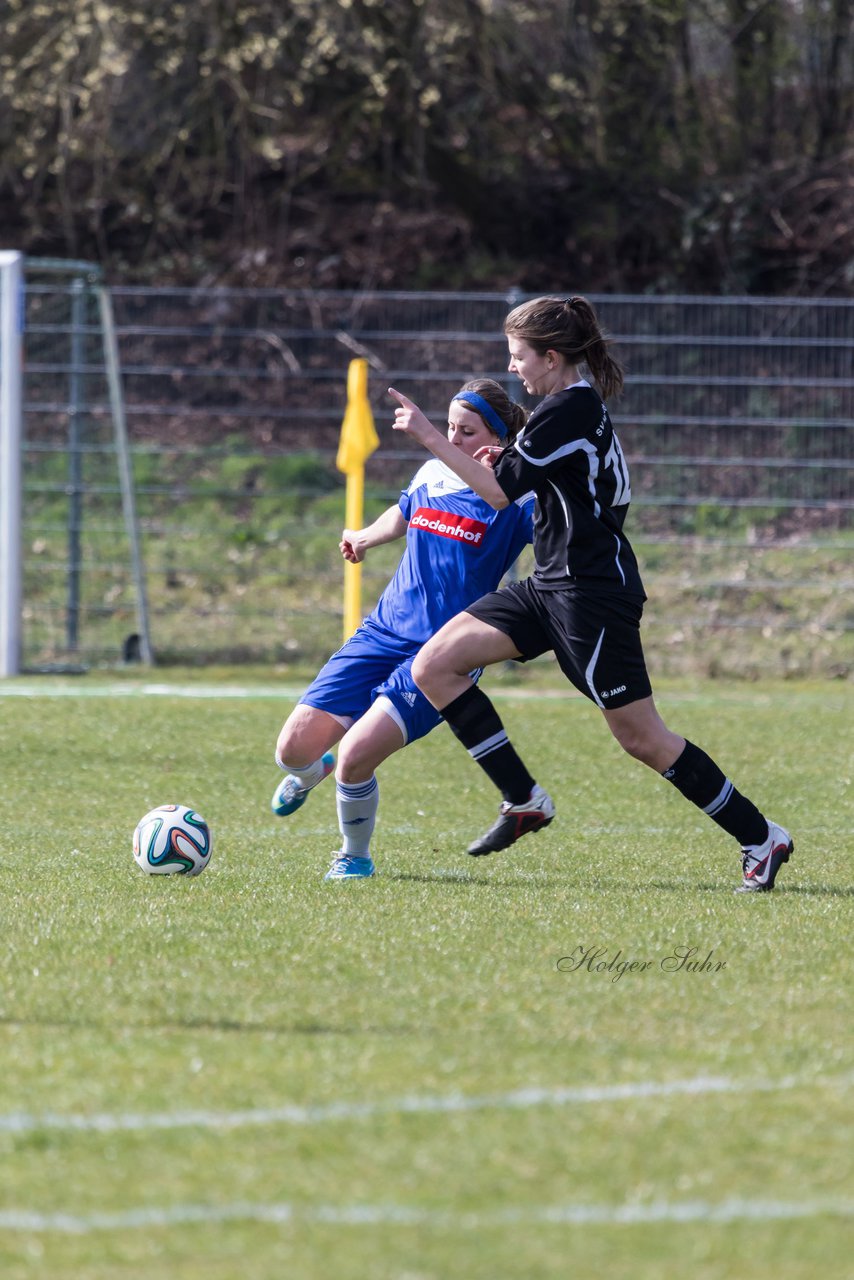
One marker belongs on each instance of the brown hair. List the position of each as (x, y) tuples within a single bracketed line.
[(570, 327), (511, 414)]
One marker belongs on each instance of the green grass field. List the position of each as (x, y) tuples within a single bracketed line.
[(257, 1075)]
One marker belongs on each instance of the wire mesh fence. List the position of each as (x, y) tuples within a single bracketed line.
[(737, 419)]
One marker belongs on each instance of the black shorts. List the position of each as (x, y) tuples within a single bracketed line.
[(595, 635)]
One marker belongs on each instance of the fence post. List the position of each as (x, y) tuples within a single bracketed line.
[(117, 404), (75, 463), (11, 382)]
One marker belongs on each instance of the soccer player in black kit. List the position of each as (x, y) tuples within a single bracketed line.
[(585, 597)]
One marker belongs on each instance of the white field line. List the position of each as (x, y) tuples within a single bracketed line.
[(77, 688), (204, 691), (212, 692), (391, 1215), (520, 1099)]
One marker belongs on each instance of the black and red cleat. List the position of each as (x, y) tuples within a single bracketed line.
[(513, 821)]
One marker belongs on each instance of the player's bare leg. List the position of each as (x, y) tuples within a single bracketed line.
[(441, 669), (302, 750), (373, 738), (642, 733)]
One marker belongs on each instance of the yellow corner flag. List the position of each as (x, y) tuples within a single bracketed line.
[(358, 441), (358, 436)]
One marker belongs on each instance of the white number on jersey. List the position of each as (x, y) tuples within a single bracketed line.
[(614, 459)]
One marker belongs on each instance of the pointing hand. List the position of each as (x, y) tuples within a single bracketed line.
[(409, 418)]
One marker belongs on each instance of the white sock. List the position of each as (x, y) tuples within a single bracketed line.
[(309, 776), (357, 806)]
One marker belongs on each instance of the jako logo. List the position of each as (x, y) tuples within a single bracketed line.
[(447, 525), (612, 693)]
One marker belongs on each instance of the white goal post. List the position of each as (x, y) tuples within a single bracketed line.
[(11, 381), (42, 334)]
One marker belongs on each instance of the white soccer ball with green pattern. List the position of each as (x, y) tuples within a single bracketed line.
[(172, 840)]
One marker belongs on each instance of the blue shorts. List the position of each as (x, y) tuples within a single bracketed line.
[(373, 664)]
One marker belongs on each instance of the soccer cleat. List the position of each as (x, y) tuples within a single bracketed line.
[(761, 862), (346, 866), (515, 820), (290, 796)]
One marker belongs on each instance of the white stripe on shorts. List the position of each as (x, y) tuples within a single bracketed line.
[(588, 674)]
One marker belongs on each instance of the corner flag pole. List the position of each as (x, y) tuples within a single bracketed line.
[(358, 441)]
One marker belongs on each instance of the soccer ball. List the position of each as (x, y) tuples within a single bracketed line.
[(172, 840)]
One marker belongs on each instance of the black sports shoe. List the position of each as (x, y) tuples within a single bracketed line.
[(761, 862), (515, 820)]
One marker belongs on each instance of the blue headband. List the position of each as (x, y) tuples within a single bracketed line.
[(486, 411)]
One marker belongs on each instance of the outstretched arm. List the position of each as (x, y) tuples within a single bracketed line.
[(409, 418), (356, 542)]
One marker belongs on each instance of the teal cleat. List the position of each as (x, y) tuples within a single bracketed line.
[(290, 796), (348, 867)]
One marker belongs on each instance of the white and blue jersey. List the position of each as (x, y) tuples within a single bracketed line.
[(458, 548)]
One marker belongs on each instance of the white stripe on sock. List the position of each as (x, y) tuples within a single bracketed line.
[(488, 745), (720, 799)]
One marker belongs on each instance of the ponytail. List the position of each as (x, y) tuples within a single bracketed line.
[(570, 327)]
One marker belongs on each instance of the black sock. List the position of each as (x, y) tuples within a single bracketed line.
[(474, 720), (701, 781)]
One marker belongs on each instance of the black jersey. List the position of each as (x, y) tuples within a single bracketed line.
[(569, 455)]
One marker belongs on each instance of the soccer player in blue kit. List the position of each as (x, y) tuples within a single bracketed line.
[(457, 548), (585, 598)]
